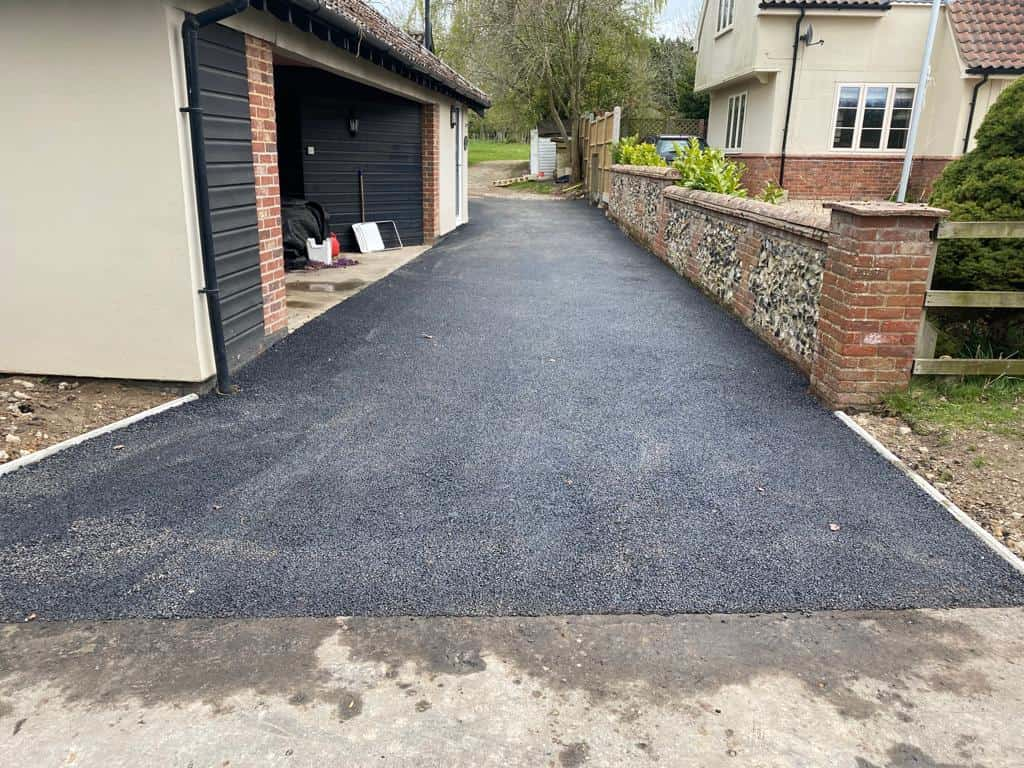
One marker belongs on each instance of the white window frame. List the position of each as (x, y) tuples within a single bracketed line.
[(734, 143), (726, 11), (890, 98)]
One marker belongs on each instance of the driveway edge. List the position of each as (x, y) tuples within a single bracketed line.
[(966, 520), (32, 458)]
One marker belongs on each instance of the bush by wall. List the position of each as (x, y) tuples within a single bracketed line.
[(632, 151)]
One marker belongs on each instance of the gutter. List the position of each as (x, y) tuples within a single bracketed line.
[(190, 36), (789, 96), (970, 115)]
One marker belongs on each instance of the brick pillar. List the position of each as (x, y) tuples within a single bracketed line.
[(876, 274), (259, 59), (431, 172)]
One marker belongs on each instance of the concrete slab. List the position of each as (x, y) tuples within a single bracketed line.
[(310, 294), (857, 690)]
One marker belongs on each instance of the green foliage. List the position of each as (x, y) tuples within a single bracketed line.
[(973, 402), (710, 170), (673, 67), (632, 151), (481, 151), (986, 184), (772, 193)]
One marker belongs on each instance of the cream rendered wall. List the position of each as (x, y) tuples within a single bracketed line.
[(758, 130), (302, 46), (95, 272), (726, 55), (859, 48)]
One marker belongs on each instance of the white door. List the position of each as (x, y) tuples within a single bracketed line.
[(458, 166)]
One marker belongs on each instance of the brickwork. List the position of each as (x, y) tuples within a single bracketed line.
[(841, 296), (842, 177), (263, 115), (431, 173), (872, 300)]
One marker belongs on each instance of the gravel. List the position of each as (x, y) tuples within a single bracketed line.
[(535, 417)]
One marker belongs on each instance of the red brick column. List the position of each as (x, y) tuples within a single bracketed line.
[(259, 60), (431, 173), (872, 300)]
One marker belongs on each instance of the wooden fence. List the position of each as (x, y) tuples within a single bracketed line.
[(925, 362), (597, 134)]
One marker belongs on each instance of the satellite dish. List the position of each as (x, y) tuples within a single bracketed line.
[(808, 36)]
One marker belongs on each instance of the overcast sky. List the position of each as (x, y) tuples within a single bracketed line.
[(675, 14)]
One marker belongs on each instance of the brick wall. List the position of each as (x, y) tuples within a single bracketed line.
[(842, 177), (872, 300), (431, 173), (841, 295), (262, 113)]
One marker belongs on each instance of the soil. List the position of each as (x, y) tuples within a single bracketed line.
[(981, 472), (39, 411), (483, 175)]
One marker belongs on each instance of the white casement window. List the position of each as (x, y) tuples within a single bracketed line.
[(872, 117), (724, 15), (734, 123)]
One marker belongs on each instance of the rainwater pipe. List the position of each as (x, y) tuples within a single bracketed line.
[(190, 37)]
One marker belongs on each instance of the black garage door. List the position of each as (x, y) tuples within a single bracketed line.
[(387, 148), (224, 97)]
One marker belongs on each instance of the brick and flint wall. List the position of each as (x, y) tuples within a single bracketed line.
[(263, 116), (840, 295)]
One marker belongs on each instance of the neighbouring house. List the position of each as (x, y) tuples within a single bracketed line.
[(104, 220), (819, 94)]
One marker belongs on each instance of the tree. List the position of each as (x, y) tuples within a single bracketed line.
[(673, 69), (987, 184)]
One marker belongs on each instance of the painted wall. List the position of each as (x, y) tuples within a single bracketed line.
[(859, 47), (97, 270)]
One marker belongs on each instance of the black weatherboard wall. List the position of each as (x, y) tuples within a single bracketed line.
[(314, 109), (224, 97)]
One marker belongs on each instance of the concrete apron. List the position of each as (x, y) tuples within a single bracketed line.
[(921, 688)]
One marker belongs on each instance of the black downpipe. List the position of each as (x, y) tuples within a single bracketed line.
[(970, 115), (789, 98), (190, 36), (428, 27)]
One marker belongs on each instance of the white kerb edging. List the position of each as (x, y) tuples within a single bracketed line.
[(966, 520), (32, 458)]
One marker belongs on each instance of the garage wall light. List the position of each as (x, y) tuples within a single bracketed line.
[(455, 116)]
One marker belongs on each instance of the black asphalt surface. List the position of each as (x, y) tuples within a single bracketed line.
[(535, 417)]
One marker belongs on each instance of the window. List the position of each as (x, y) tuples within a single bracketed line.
[(734, 123), (724, 15), (873, 117)]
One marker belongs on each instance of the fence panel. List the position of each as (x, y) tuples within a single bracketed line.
[(597, 134)]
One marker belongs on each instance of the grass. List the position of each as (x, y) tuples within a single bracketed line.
[(538, 187), (481, 151), (996, 405)]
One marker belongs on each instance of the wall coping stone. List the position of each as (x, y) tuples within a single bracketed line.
[(885, 208), (651, 171), (804, 223)]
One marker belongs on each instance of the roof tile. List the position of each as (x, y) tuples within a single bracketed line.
[(989, 33)]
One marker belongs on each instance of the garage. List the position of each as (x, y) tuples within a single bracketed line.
[(354, 149)]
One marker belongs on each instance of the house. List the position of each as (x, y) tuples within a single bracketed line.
[(148, 147), (818, 95)]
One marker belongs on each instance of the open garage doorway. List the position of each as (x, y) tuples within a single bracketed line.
[(357, 153)]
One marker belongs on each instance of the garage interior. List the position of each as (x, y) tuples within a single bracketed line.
[(356, 151)]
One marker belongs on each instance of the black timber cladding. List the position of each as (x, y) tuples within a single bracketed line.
[(387, 148), (224, 98)]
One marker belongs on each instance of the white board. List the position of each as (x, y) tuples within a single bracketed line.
[(368, 237)]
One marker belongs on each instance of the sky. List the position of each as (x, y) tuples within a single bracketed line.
[(675, 15)]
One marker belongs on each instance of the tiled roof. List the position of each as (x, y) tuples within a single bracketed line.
[(366, 18), (990, 34), (872, 4)]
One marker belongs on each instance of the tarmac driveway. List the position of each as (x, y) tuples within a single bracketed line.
[(535, 417)]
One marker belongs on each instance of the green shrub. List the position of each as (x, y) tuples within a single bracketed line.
[(986, 184), (709, 169), (632, 151), (772, 193)]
